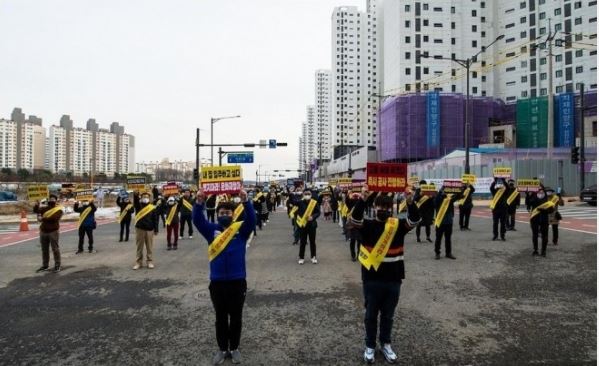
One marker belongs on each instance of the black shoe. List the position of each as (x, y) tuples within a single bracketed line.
[(450, 256), (543, 254), (57, 269), (503, 239), (468, 229), (169, 248), (294, 243), (126, 239), (437, 256), (175, 247), (91, 251), (514, 229), (554, 243), (42, 269), (494, 238), (353, 259), (79, 251), (418, 240), (535, 253), (120, 240), (429, 240)]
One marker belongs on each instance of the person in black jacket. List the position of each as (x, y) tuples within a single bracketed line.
[(426, 209), (541, 207), (211, 207), (445, 227), (465, 206), (499, 192), (307, 229), (335, 204), (512, 206), (381, 286), (173, 208), (87, 224), (186, 203), (146, 227), (124, 218)]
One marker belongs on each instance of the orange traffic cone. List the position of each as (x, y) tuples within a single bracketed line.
[(24, 224)]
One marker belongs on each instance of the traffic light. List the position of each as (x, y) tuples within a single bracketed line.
[(196, 174), (575, 155)]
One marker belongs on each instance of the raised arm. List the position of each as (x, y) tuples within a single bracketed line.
[(205, 227), (249, 222)]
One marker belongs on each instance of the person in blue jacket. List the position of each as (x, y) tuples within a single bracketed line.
[(227, 271), (88, 225)]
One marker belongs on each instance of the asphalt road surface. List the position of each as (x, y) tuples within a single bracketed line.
[(494, 305)]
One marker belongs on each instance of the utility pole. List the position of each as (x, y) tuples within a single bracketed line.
[(197, 155), (467, 115), (581, 136), (550, 94)]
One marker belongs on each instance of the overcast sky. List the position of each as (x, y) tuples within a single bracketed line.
[(163, 68)]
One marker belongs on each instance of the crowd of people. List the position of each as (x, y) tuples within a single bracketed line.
[(374, 232)]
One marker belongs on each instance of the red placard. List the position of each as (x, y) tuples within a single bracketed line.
[(387, 177), (170, 190), (221, 187), (452, 185)]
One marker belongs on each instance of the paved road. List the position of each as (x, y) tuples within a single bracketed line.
[(495, 305)]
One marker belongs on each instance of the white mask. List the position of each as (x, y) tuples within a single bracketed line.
[(307, 197), (236, 199), (540, 196), (85, 203), (145, 200)]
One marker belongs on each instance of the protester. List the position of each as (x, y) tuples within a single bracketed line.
[(292, 207), (499, 207), (555, 217), (444, 222), (228, 285), (160, 209), (513, 202), (49, 214), (124, 218), (326, 206), (211, 207), (186, 204), (541, 207), (87, 224), (335, 205), (306, 215), (382, 259), (426, 209), (172, 223), (146, 227), (465, 206), (355, 239), (100, 197)]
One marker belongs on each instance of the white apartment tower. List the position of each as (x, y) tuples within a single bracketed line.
[(81, 151), (355, 77), (58, 149), (8, 144), (322, 104), (303, 146), (311, 134), (514, 67), (105, 159)]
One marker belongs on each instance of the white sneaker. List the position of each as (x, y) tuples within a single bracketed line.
[(150, 265), (191, 237), (136, 266), (369, 355), (314, 260), (301, 261), (390, 356), (180, 238)]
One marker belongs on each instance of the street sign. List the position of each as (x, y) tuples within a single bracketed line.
[(272, 144), (240, 158)]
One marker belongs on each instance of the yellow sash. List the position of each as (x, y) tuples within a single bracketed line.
[(187, 204), (544, 206), (238, 211), (512, 197), (303, 221), (144, 211), (258, 196), (466, 194), (83, 216), (51, 212), (222, 240), (442, 211), (344, 211), (496, 198), (124, 213), (171, 214), (403, 205), (376, 257), (555, 199), (293, 211), (421, 201)]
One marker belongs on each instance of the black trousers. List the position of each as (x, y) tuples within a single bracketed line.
[(228, 298), (306, 232), (511, 220), (354, 242), (465, 212), (335, 216), (163, 217), (258, 220), (537, 228), (210, 213), (125, 225), (185, 219), (427, 230), (444, 229), (90, 236), (499, 219), (555, 230)]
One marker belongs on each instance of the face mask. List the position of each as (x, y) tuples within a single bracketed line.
[(85, 203), (499, 186), (549, 194), (236, 199), (225, 221), (307, 197), (145, 200), (540, 196), (382, 215), (171, 203)]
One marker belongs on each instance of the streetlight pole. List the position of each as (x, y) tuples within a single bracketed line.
[(213, 120), (466, 64)]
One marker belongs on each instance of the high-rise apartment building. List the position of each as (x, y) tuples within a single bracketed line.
[(311, 137), (322, 105), (81, 151), (58, 149), (8, 145), (106, 153)]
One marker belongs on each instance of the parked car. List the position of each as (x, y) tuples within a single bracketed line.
[(589, 195), (7, 196)]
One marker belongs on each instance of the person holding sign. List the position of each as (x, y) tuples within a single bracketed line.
[(49, 215), (513, 202), (499, 207), (146, 227), (539, 221), (308, 210), (124, 218), (172, 223), (226, 253), (465, 206), (186, 204), (444, 221), (555, 217), (382, 259), (87, 224), (426, 209)]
